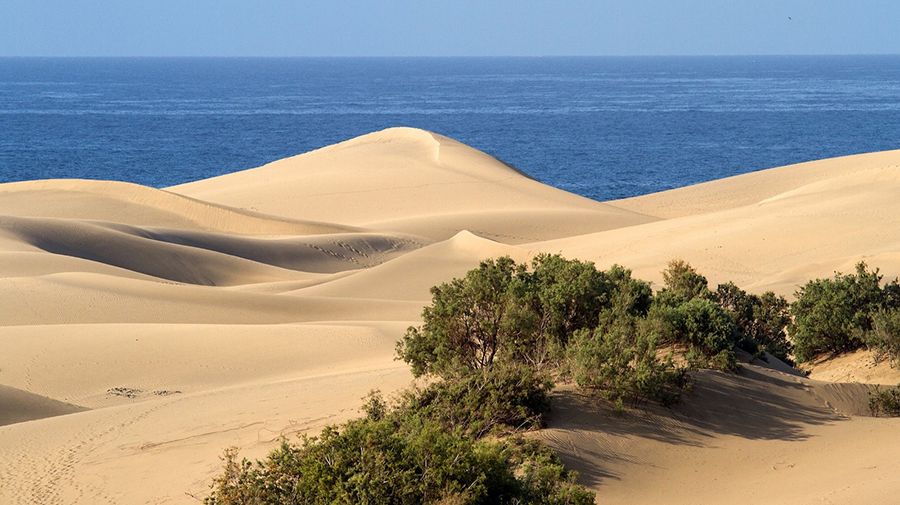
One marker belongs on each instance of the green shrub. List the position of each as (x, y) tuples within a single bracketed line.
[(468, 321), (504, 312), (399, 459), (366, 461), (635, 297), (704, 328), (704, 325), (884, 339), (761, 321), (681, 278), (885, 401), (501, 400), (619, 358), (834, 315), (568, 294)]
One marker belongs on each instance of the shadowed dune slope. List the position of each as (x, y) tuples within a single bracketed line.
[(411, 277), (17, 406), (195, 257), (760, 436)]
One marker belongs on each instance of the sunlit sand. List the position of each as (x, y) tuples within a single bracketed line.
[(145, 330)]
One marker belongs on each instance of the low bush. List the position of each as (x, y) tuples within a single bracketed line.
[(705, 327), (620, 359), (885, 401), (884, 339), (503, 312), (836, 315), (469, 320), (425, 450), (684, 314), (381, 462), (682, 279), (761, 320), (502, 400)]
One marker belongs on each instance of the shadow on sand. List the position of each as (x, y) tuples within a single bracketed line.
[(755, 404)]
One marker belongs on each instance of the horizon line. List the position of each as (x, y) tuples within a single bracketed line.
[(760, 55)]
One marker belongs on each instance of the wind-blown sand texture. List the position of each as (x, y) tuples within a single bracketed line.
[(142, 331)]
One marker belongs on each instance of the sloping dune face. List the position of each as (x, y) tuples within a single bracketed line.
[(142, 331), (408, 180), (773, 229)]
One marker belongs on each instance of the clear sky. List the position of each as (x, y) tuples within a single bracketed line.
[(446, 28)]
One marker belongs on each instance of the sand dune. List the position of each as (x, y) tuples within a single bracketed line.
[(412, 181), (204, 258), (812, 229), (141, 206), (433, 265), (142, 331), (754, 187)]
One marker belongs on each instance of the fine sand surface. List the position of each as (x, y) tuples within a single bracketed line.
[(142, 331)]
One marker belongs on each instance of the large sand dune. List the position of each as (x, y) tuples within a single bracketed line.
[(142, 331)]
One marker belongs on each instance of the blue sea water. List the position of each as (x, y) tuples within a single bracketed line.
[(604, 128)]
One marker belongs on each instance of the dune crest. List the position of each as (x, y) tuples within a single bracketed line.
[(410, 181), (785, 229), (142, 206), (753, 187)]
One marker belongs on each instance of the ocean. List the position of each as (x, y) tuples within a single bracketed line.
[(604, 128)]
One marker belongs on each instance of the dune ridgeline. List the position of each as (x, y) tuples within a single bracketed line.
[(143, 331)]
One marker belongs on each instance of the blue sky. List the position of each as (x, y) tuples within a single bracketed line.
[(448, 28)]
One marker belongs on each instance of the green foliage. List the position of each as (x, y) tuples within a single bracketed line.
[(468, 321), (568, 294), (635, 295), (886, 401), (542, 476), (760, 320), (723, 360), (681, 278), (504, 312), (560, 296), (705, 326), (367, 461), (834, 315), (501, 400), (408, 455), (884, 339), (619, 358), (686, 313)]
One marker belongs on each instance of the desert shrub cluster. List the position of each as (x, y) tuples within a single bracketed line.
[(605, 328), (885, 401), (454, 441), (489, 348), (884, 339), (845, 313), (502, 400)]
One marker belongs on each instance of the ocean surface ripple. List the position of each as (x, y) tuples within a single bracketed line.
[(604, 128)]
